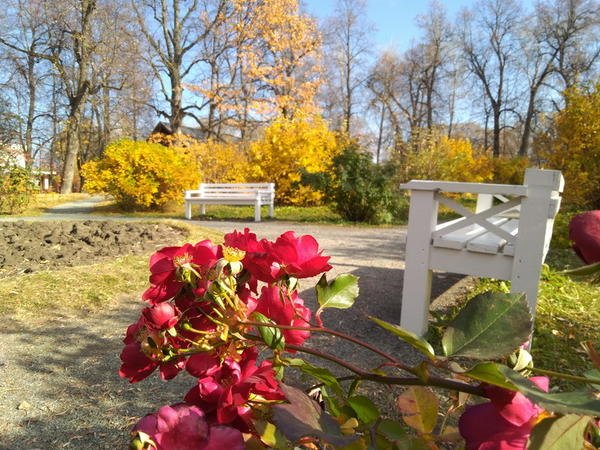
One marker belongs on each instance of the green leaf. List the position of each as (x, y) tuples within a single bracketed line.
[(391, 429), (419, 407), (339, 293), (593, 375), (272, 336), (302, 417), (364, 408), (318, 373), (410, 338), (559, 433), (577, 402), (490, 373), (490, 326)]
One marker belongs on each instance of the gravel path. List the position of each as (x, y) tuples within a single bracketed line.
[(58, 381)]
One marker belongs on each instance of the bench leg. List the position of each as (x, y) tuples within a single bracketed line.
[(271, 210), (257, 207), (416, 290), (188, 210), (202, 209)]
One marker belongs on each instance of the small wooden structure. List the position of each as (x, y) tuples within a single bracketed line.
[(256, 194), (507, 237)]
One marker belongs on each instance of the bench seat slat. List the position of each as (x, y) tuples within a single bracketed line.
[(459, 239), (491, 243)]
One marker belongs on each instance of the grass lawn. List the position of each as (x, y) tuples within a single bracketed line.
[(40, 202), (320, 214)]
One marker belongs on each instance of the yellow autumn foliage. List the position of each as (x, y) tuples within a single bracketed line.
[(510, 170), (288, 147), (215, 162), (572, 145), (219, 162), (141, 175), (433, 156)]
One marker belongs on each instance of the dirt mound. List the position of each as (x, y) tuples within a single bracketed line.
[(32, 246)]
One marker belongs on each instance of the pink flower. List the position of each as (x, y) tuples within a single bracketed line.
[(137, 365), (224, 389), (584, 232), (285, 309), (504, 423), (183, 427), (172, 267), (299, 256), (161, 316), (140, 358), (259, 260)]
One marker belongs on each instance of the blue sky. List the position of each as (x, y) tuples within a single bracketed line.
[(394, 20)]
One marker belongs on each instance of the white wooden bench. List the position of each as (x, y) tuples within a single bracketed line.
[(257, 194), (507, 237)]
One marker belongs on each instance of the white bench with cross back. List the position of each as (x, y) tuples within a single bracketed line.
[(506, 237), (257, 194)]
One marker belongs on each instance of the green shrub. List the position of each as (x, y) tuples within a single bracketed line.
[(141, 175), (17, 187), (359, 189)]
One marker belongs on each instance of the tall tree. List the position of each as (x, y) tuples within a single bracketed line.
[(436, 36), (487, 36), (25, 34), (554, 31), (348, 44), (174, 30)]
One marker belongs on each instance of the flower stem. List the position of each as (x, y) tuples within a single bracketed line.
[(341, 335), (431, 380)]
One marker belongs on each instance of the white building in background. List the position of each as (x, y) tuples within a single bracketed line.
[(12, 155)]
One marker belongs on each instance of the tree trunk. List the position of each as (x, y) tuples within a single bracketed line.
[(496, 141), (71, 156), (380, 137), (31, 107), (524, 147)]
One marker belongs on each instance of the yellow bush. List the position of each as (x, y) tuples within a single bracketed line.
[(572, 145), (141, 175), (216, 162), (510, 170), (288, 147), (219, 162), (434, 156)]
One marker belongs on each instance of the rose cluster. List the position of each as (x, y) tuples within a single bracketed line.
[(204, 303)]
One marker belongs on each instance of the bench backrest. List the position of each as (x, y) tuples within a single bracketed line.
[(225, 190), (494, 214)]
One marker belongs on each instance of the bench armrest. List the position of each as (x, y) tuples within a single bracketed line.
[(459, 187)]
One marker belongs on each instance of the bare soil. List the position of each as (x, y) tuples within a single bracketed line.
[(27, 247)]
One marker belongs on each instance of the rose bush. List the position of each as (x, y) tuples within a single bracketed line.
[(231, 316)]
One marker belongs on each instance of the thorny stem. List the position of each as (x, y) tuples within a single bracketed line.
[(341, 335), (431, 380)]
